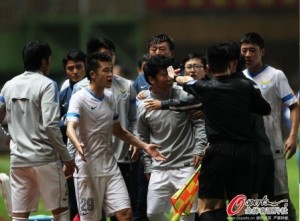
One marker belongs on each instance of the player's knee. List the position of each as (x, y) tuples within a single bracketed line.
[(63, 216)]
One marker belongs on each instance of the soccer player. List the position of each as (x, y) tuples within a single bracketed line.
[(30, 102), (275, 89), (174, 132), (124, 94), (92, 119), (74, 67), (160, 44)]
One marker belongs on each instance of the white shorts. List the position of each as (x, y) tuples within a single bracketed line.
[(162, 185), (280, 177), (28, 184), (95, 193)]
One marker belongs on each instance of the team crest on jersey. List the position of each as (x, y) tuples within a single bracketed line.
[(123, 93), (264, 84)]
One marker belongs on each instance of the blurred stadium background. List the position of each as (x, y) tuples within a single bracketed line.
[(193, 24)]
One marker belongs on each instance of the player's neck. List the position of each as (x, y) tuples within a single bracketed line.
[(256, 69), (219, 74), (97, 91)]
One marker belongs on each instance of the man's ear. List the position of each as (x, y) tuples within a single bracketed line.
[(92, 74), (263, 52), (207, 68), (151, 79), (233, 64), (44, 63)]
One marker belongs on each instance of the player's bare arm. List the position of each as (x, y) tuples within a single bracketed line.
[(291, 142), (71, 133)]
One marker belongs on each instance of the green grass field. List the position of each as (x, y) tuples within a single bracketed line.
[(292, 171)]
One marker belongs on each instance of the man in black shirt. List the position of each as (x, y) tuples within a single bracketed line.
[(228, 104)]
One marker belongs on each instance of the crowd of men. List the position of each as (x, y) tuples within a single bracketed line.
[(104, 145)]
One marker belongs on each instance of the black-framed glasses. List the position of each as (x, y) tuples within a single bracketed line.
[(195, 66)]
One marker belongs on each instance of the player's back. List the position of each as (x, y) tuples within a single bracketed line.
[(25, 95)]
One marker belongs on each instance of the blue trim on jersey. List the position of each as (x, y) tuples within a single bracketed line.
[(73, 115), (191, 82), (98, 98), (2, 100), (75, 88), (133, 101), (287, 98), (255, 74)]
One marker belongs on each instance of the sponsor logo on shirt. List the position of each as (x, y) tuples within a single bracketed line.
[(123, 93), (264, 84)]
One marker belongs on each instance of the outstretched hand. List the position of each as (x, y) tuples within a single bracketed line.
[(151, 149)]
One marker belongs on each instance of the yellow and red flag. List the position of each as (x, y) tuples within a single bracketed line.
[(184, 198)]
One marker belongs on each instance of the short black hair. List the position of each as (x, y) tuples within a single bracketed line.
[(94, 44), (190, 56), (141, 60), (235, 54), (73, 55), (33, 53), (218, 57), (155, 64), (253, 38), (157, 39), (92, 61)]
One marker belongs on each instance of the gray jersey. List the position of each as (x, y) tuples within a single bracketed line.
[(172, 130), (30, 102), (124, 95)]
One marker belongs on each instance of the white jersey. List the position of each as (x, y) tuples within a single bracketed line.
[(276, 90), (95, 117), (124, 95), (65, 84)]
